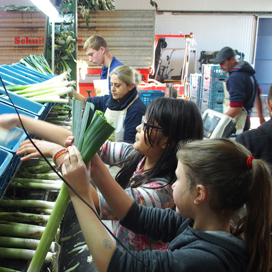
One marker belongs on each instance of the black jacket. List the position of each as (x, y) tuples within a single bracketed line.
[(189, 250), (258, 141)]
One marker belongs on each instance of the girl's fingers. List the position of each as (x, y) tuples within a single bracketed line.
[(69, 141), (72, 154)]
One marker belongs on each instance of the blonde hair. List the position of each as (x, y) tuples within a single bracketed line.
[(95, 42), (127, 75)]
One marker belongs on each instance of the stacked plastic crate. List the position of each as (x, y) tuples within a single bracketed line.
[(195, 88), (212, 90)]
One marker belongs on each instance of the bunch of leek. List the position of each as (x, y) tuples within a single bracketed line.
[(89, 135), (50, 90), (65, 48), (85, 6), (18, 8), (38, 63)]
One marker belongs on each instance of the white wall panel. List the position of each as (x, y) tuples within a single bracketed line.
[(211, 34), (231, 5)]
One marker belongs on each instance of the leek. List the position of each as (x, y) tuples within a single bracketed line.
[(42, 181), (25, 254), (21, 230), (42, 210), (22, 243), (42, 89), (36, 186), (50, 175), (39, 169), (13, 88), (38, 63), (24, 217), (53, 99), (5, 269), (27, 203), (99, 123)]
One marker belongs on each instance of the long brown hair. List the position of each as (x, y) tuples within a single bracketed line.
[(221, 166)]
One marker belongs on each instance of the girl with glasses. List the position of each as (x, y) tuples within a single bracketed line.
[(148, 166)]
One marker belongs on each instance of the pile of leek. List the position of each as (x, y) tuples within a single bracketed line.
[(90, 134), (50, 90), (38, 63)]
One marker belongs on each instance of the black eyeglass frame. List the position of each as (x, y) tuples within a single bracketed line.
[(144, 125)]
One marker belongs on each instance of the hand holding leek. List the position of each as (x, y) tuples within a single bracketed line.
[(79, 173)]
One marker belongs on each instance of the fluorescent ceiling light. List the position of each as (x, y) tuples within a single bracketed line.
[(47, 7)]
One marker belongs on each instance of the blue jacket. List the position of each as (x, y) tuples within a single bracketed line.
[(242, 86), (133, 117), (104, 70), (189, 250)]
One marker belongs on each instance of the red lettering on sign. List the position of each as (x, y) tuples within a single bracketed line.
[(27, 40), (79, 41)]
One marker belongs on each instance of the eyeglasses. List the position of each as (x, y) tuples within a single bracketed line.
[(144, 125)]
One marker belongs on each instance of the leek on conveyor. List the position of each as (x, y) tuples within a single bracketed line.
[(97, 132), (50, 90)]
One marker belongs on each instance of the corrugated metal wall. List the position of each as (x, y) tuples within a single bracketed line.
[(211, 5), (21, 34), (129, 35)]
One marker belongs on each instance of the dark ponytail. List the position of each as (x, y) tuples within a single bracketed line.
[(256, 225)]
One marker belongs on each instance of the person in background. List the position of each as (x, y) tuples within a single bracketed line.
[(241, 85), (97, 50), (123, 107), (215, 179), (259, 141), (147, 167)]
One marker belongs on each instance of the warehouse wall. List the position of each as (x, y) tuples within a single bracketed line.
[(182, 5), (212, 31)]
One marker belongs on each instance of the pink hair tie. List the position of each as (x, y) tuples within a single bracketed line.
[(249, 162)]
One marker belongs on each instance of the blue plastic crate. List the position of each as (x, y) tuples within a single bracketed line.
[(213, 83), (207, 104), (6, 70), (195, 91), (213, 70), (196, 100), (23, 68), (6, 165), (13, 144), (149, 96), (23, 103), (213, 95), (195, 79), (22, 73), (5, 108)]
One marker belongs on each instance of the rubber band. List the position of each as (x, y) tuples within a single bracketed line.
[(249, 162)]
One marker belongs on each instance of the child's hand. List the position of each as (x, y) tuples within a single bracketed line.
[(47, 148), (9, 121), (69, 141), (75, 172)]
